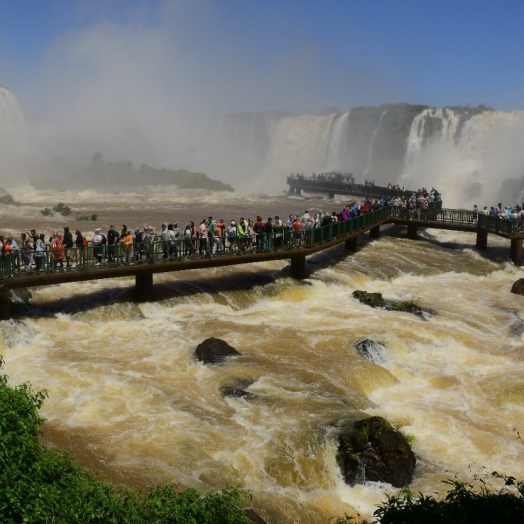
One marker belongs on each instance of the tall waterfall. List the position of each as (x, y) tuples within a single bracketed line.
[(478, 157), (12, 123)]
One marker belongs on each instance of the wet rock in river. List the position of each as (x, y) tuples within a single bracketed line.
[(214, 351), (373, 351), (373, 450), (518, 287)]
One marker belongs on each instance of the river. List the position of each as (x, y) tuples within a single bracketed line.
[(127, 397)]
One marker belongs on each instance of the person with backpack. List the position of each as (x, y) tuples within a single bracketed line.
[(40, 250), (27, 251), (260, 229), (81, 245), (112, 240), (68, 244), (99, 241), (232, 235), (188, 244)]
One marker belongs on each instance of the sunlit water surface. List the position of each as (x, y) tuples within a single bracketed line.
[(126, 395)]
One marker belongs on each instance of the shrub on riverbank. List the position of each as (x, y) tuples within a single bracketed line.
[(478, 502), (38, 485)]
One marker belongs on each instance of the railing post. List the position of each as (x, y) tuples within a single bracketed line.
[(298, 267), (412, 231), (5, 313), (351, 244), (516, 251), (482, 238), (374, 232), (144, 287)]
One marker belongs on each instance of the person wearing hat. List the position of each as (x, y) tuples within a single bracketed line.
[(232, 235), (112, 240), (98, 246)]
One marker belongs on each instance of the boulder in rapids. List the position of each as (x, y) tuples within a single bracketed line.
[(370, 299), (373, 450), (518, 287), (236, 388), (214, 350), (373, 351)]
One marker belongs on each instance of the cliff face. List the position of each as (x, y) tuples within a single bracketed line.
[(472, 154)]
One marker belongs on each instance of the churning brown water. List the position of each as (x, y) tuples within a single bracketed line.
[(127, 397)]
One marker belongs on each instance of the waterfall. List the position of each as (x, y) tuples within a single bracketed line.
[(370, 154), (12, 124), (468, 156)]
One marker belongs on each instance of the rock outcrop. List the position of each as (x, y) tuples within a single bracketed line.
[(518, 287), (214, 350), (376, 300), (373, 450)]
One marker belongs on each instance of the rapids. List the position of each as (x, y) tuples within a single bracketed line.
[(126, 396)]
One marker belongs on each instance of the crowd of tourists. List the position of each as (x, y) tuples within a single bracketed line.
[(68, 249), (416, 204), (510, 212)]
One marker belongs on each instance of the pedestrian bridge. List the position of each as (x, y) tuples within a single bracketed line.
[(276, 246)]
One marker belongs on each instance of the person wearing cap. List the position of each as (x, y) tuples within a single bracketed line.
[(98, 246), (112, 240), (278, 232), (68, 244), (232, 235)]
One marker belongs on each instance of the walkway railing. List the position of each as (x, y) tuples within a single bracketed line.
[(340, 187), (93, 257)]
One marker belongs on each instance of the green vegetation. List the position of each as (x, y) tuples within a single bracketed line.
[(38, 485), (478, 502), (9, 200), (408, 306), (47, 212), (59, 174)]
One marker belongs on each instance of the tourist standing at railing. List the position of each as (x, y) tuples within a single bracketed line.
[(27, 250), (81, 247), (112, 240), (57, 252), (210, 228), (297, 232), (241, 234), (260, 229), (278, 230), (232, 235), (268, 227), (217, 240), (40, 252), (98, 246), (127, 242), (68, 245), (178, 237), (202, 229)]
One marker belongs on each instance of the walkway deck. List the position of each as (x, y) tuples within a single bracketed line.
[(285, 246)]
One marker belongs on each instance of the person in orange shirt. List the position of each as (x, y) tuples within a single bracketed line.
[(128, 247), (8, 248), (57, 252)]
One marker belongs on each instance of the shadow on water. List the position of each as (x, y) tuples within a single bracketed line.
[(237, 281)]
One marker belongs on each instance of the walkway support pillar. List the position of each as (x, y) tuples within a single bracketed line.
[(331, 195), (482, 239), (298, 267), (5, 312), (351, 244), (144, 287), (412, 231), (374, 232), (515, 252)]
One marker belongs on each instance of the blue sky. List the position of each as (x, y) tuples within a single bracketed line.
[(242, 55)]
